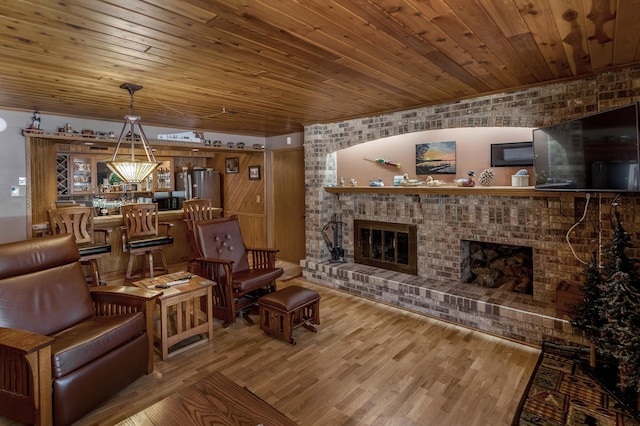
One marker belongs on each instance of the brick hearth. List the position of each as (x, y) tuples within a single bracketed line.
[(443, 222), (508, 315)]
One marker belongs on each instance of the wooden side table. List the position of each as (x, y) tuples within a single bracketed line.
[(186, 311)]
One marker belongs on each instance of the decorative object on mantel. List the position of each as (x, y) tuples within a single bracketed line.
[(342, 181), (376, 182), (332, 235), (353, 182), (521, 178), (430, 181), (383, 161), (486, 176), (468, 181), (35, 121), (34, 127), (409, 182), (133, 170)]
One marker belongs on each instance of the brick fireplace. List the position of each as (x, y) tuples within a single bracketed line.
[(444, 219)]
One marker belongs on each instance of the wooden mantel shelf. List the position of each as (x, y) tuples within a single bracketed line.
[(497, 191)]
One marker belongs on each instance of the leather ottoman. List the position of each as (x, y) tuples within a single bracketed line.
[(285, 310)]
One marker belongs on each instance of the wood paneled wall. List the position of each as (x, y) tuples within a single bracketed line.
[(41, 176), (243, 197), (288, 203)]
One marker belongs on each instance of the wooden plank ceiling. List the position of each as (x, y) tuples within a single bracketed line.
[(268, 67)]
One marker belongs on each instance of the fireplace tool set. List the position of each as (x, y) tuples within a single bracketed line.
[(332, 234)]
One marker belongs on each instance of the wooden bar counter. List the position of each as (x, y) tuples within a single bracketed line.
[(114, 266)]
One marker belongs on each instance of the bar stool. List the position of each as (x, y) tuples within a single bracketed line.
[(78, 220), (141, 237), (196, 209)]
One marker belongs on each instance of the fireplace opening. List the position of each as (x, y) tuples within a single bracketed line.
[(387, 245), (501, 266)]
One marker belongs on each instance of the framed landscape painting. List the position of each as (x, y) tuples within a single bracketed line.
[(436, 158)]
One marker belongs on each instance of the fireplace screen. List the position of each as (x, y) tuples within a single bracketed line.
[(386, 245)]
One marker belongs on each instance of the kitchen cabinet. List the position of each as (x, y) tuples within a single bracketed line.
[(82, 175)]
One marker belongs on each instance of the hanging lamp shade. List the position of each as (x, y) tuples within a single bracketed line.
[(129, 168)]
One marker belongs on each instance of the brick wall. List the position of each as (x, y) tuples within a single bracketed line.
[(538, 222)]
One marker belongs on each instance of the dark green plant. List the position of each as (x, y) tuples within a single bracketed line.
[(114, 179)]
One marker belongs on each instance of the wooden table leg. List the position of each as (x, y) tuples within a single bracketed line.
[(164, 326), (210, 312)]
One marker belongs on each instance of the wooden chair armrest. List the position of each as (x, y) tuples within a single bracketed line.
[(168, 228), (24, 342), (265, 249), (25, 362), (123, 238), (214, 260), (106, 234), (114, 300), (124, 296), (262, 257), (217, 270)]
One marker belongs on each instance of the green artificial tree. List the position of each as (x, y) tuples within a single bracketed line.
[(620, 335), (610, 311), (587, 316)]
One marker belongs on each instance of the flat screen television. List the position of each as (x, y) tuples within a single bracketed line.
[(596, 153), (512, 154)]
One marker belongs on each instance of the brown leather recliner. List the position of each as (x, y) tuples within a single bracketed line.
[(243, 273), (65, 348)]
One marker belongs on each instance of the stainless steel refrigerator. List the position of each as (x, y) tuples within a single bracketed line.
[(200, 183)]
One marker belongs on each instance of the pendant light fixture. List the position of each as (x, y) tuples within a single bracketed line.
[(132, 170)]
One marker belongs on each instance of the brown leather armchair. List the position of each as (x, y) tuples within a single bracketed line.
[(225, 260), (65, 347)]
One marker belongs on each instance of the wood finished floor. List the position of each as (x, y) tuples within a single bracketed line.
[(368, 364)]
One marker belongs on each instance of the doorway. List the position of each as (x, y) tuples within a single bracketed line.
[(288, 207)]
